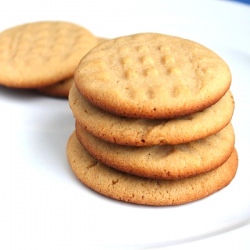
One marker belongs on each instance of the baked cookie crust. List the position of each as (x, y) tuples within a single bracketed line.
[(129, 188)]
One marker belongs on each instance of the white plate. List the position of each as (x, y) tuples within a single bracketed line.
[(43, 206)]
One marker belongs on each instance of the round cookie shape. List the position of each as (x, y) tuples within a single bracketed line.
[(163, 161), (39, 54), (128, 188), (148, 132), (151, 75)]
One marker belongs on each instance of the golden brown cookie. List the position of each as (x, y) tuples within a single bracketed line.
[(122, 186), (42, 53), (147, 132), (163, 161), (60, 89), (102, 39), (152, 75)]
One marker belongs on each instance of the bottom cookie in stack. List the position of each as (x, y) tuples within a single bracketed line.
[(134, 189)]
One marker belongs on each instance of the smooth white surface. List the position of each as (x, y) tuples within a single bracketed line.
[(43, 206)]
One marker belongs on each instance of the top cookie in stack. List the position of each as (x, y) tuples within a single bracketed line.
[(149, 107), (152, 76)]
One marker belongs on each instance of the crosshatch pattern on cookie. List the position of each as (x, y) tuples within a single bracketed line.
[(145, 61), (152, 76), (42, 53), (43, 42)]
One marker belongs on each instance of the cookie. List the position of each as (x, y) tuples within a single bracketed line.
[(162, 161), (126, 187), (40, 54), (148, 132), (151, 75), (102, 39), (60, 89)]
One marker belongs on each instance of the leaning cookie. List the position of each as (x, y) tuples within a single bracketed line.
[(125, 187), (163, 161), (148, 132), (40, 54), (58, 90)]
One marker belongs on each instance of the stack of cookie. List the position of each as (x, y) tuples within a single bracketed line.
[(43, 55), (153, 120)]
